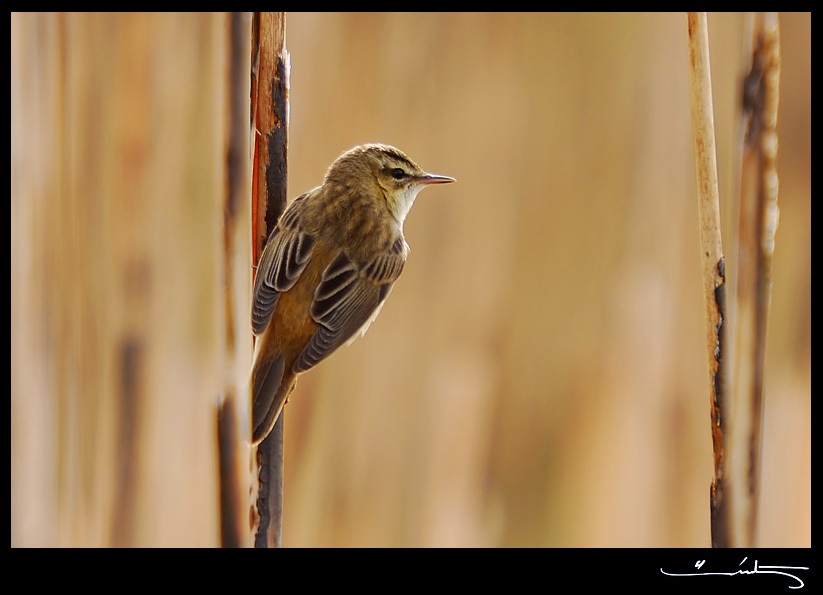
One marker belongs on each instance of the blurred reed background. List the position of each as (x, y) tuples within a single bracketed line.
[(538, 376)]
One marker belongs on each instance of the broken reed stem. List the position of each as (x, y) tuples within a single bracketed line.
[(757, 223), (714, 275), (269, 106)]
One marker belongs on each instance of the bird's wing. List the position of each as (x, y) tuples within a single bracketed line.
[(286, 254), (347, 299)]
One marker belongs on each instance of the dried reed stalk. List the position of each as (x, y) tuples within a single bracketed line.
[(757, 223), (270, 109), (714, 274)]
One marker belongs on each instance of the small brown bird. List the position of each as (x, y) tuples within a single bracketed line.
[(327, 269)]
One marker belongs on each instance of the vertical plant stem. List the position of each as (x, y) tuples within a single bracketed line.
[(231, 509), (758, 214), (270, 106), (714, 275), (233, 488)]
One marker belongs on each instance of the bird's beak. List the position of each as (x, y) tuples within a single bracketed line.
[(434, 179)]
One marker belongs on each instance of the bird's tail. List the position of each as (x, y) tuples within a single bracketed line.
[(270, 389)]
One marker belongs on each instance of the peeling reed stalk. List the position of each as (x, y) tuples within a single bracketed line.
[(270, 127), (714, 274)]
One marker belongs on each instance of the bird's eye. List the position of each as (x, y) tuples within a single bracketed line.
[(397, 173)]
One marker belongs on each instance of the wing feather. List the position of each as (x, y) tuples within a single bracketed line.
[(284, 258), (346, 300)]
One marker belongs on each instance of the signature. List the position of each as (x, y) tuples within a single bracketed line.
[(758, 569)]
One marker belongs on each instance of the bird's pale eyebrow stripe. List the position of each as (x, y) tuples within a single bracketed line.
[(400, 157)]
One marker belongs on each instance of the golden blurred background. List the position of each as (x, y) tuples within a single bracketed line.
[(538, 376)]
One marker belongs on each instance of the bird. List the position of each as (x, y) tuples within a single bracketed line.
[(327, 268)]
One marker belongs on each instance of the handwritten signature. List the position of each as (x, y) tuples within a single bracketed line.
[(758, 569)]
